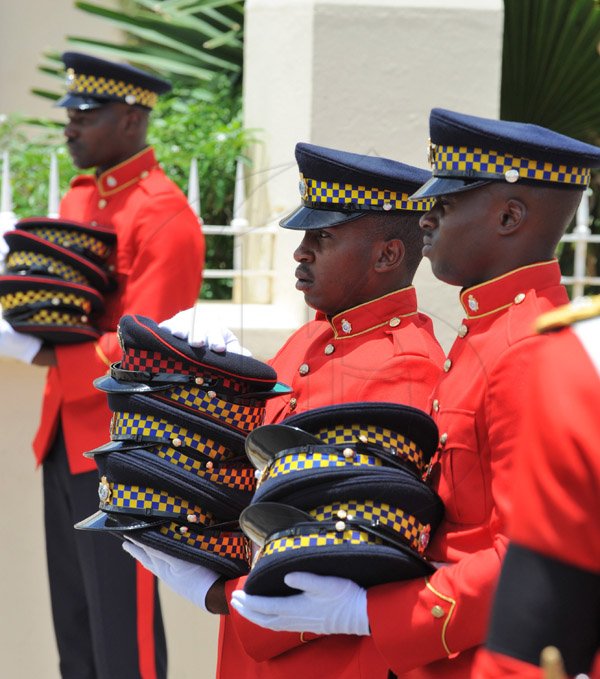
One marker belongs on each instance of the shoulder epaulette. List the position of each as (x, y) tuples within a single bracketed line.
[(578, 310)]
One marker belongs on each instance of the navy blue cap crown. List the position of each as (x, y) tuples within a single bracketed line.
[(338, 186), (92, 82), (468, 151)]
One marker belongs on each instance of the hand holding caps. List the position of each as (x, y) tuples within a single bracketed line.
[(189, 580), (325, 605), (201, 329), (20, 346)]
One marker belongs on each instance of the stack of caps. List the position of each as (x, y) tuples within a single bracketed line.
[(55, 277), (174, 475), (341, 492)]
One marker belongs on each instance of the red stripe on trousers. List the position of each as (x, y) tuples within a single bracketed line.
[(145, 622)]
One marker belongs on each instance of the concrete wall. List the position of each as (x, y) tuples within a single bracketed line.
[(360, 75)]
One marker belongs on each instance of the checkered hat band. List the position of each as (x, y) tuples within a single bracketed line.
[(316, 539), (136, 498), (360, 197), (68, 239), (23, 298), (244, 418), (50, 317), (99, 86), (457, 160), (239, 478), (155, 362), (228, 545), (24, 258), (391, 441), (407, 526), (136, 427), (296, 462)]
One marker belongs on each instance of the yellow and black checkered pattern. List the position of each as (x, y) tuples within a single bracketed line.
[(317, 191), (304, 461), (99, 86), (326, 539), (24, 298), (476, 162), (239, 478), (228, 545), (391, 441), (244, 417), (149, 500), (406, 525), (61, 318), (20, 259), (136, 427), (67, 239)]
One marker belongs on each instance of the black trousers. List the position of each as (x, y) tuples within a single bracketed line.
[(107, 618)]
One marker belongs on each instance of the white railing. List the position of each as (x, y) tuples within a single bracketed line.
[(581, 236), (238, 229)]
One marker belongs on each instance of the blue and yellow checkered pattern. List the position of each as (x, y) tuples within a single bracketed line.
[(58, 298), (406, 525), (242, 417), (69, 239), (239, 478), (326, 539), (19, 260), (477, 162), (99, 86), (149, 501), (136, 427), (393, 442), (318, 192)]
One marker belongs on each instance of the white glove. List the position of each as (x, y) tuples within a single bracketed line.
[(201, 329), (3, 249), (327, 605), (190, 580), (18, 345)]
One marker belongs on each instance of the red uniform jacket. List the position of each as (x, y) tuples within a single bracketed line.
[(380, 351), (557, 477), (158, 264)]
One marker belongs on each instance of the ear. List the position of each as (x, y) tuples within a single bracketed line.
[(132, 119), (390, 255), (512, 216)]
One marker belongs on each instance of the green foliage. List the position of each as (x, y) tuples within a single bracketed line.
[(551, 77), (190, 42)]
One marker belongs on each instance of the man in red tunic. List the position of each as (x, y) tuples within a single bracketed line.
[(106, 612), (549, 589), (505, 192), (360, 248)]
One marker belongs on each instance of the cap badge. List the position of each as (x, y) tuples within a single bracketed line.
[(346, 326), (473, 303), (104, 490), (69, 76), (430, 153), (424, 539), (303, 187)]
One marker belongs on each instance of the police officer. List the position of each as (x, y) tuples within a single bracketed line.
[(361, 245), (549, 589), (505, 192), (106, 612)]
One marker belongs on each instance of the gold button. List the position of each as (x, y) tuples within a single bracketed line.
[(438, 612), (101, 203), (293, 403), (443, 439), (447, 365), (394, 322), (436, 405), (519, 298), (144, 174), (94, 222), (111, 181), (303, 369), (463, 330), (329, 349)]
